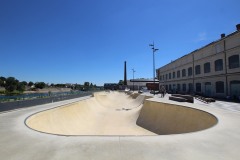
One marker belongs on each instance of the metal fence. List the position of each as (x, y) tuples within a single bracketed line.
[(6, 106)]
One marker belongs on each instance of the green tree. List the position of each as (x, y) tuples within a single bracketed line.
[(40, 85), (86, 84), (120, 82), (60, 85), (30, 84), (24, 83), (11, 84), (21, 86), (2, 81)]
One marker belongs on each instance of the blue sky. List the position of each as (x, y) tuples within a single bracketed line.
[(73, 41)]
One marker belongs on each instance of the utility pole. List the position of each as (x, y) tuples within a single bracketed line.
[(133, 77), (154, 50)]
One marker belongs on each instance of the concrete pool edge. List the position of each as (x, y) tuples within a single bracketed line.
[(66, 135)]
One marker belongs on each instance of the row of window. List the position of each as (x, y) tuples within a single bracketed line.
[(219, 86), (233, 63)]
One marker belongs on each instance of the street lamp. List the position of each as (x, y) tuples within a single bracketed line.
[(154, 50), (133, 77)]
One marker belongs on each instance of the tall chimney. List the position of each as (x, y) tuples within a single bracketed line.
[(238, 27), (125, 73), (222, 35)]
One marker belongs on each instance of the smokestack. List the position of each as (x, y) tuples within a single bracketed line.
[(238, 27), (125, 73), (222, 35)]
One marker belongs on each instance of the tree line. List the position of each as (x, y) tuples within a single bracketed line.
[(14, 86)]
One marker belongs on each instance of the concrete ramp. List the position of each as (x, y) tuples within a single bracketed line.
[(119, 100), (137, 102), (112, 99), (98, 115), (164, 118)]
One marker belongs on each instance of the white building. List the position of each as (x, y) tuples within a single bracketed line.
[(213, 70)]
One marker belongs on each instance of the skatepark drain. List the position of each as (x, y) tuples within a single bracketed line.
[(99, 115)]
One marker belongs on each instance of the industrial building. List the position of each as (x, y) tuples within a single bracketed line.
[(211, 71), (137, 84)]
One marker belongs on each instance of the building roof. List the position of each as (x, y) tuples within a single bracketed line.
[(143, 80)]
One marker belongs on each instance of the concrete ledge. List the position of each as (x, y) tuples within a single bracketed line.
[(189, 98), (178, 99), (205, 100), (210, 99)]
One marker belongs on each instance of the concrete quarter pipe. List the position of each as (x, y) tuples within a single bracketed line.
[(117, 113)]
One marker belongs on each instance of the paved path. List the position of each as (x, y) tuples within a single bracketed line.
[(230, 106), (221, 142)]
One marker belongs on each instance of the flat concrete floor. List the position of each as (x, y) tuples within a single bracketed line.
[(221, 142)]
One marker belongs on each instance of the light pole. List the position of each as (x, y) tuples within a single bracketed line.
[(154, 50), (133, 77)]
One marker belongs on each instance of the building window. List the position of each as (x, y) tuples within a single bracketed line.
[(183, 72), (166, 76), (235, 89), (190, 71), (160, 78), (219, 87), (178, 87), (169, 76), (190, 87), (173, 75), (170, 87), (166, 86), (163, 77), (197, 69), (178, 74), (174, 87), (207, 68), (184, 87), (198, 87), (218, 65), (233, 61)]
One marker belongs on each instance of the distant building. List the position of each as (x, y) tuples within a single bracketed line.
[(143, 82), (111, 86), (212, 70)]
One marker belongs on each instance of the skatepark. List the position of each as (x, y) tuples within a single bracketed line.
[(116, 113), (116, 125)]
